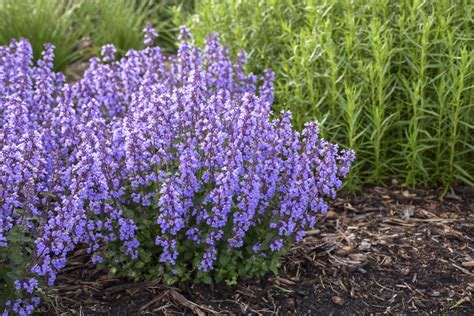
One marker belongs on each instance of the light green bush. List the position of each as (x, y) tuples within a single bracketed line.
[(391, 79)]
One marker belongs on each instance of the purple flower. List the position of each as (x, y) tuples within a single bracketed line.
[(108, 52), (187, 140), (150, 34)]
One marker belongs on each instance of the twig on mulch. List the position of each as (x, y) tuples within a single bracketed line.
[(192, 306), (157, 299)]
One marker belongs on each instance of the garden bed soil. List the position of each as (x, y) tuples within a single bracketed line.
[(386, 251)]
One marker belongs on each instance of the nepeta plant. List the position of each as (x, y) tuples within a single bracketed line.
[(161, 166)]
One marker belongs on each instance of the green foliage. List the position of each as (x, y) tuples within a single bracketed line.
[(15, 262), (231, 265), (78, 28), (390, 79), (43, 21), (121, 22)]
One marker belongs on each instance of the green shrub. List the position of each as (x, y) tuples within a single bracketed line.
[(78, 28), (390, 79), (121, 22), (44, 21)]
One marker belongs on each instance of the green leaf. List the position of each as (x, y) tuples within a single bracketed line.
[(207, 279), (224, 259)]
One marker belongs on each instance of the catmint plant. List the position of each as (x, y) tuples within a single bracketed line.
[(163, 167)]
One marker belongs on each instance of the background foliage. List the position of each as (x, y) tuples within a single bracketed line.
[(121, 22), (43, 21), (390, 79), (78, 28)]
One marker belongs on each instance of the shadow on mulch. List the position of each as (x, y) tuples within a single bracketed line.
[(386, 251)]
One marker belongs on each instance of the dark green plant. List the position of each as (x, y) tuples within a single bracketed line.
[(44, 21), (78, 28), (15, 262), (121, 22)]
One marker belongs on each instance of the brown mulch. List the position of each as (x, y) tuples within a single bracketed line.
[(387, 251)]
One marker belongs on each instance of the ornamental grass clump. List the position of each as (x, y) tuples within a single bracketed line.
[(163, 167)]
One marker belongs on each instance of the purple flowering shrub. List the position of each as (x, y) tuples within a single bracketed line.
[(167, 167)]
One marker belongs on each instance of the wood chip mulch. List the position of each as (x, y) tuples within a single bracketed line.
[(386, 251)]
